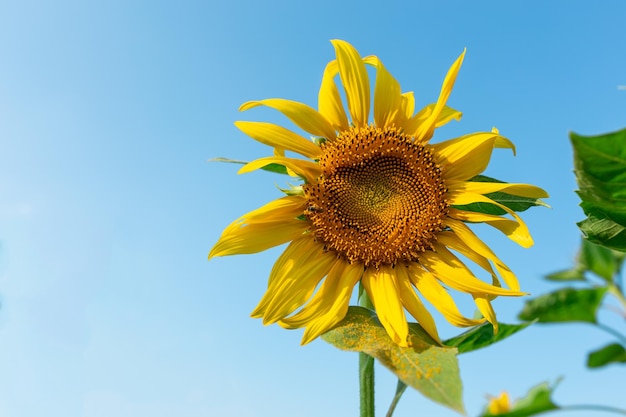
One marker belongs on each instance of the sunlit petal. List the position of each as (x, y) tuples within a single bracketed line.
[(522, 190), (465, 157), (436, 295), (382, 288), (305, 117), (354, 80), (329, 99), (486, 309), (271, 225), (387, 96), (516, 231), (306, 169), (280, 138), (413, 304), (452, 272), (426, 129)]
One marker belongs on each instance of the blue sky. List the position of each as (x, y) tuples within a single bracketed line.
[(109, 112)]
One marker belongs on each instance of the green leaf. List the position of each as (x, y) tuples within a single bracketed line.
[(600, 168), (600, 260), (574, 274), (613, 353), (276, 168), (514, 202), (564, 305), (429, 368), (482, 336), (537, 401)]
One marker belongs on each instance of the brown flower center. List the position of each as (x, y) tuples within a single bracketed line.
[(380, 198)]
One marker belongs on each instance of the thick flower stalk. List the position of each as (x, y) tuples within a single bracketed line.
[(379, 205)]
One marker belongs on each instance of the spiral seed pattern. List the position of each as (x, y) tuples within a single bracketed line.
[(380, 199)]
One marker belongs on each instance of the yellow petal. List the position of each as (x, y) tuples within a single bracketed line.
[(465, 157), (516, 231), (522, 190), (355, 81), (387, 96), (426, 129), (329, 100), (271, 225), (280, 138), (413, 304), (408, 104), (382, 288), (321, 301), (413, 123), (306, 169), (486, 309), (297, 256), (305, 117), (452, 241), (474, 244), (436, 295), (447, 114), (452, 272), (297, 287), (330, 303)]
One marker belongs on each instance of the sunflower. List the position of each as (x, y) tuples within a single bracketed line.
[(499, 405), (379, 205)]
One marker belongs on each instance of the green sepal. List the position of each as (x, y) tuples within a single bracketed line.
[(537, 401), (292, 190), (428, 367), (513, 202), (564, 305), (613, 353), (273, 167), (482, 336), (600, 168)]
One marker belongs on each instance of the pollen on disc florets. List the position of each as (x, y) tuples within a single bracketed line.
[(380, 198)]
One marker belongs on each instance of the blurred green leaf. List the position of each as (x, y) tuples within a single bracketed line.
[(574, 274), (564, 305), (537, 401), (600, 168), (600, 260), (613, 353), (514, 202), (431, 369), (482, 336), (276, 168)]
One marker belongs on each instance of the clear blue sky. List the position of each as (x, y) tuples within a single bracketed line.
[(109, 112)]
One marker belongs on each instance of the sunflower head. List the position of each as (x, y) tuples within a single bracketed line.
[(500, 404), (379, 205), (380, 198)]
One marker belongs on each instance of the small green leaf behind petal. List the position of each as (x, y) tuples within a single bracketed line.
[(613, 353), (426, 366), (514, 202), (482, 336), (564, 305), (275, 168), (537, 401)]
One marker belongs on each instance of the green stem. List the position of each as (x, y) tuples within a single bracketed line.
[(366, 369), (401, 387), (585, 407), (615, 290), (612, 331)]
